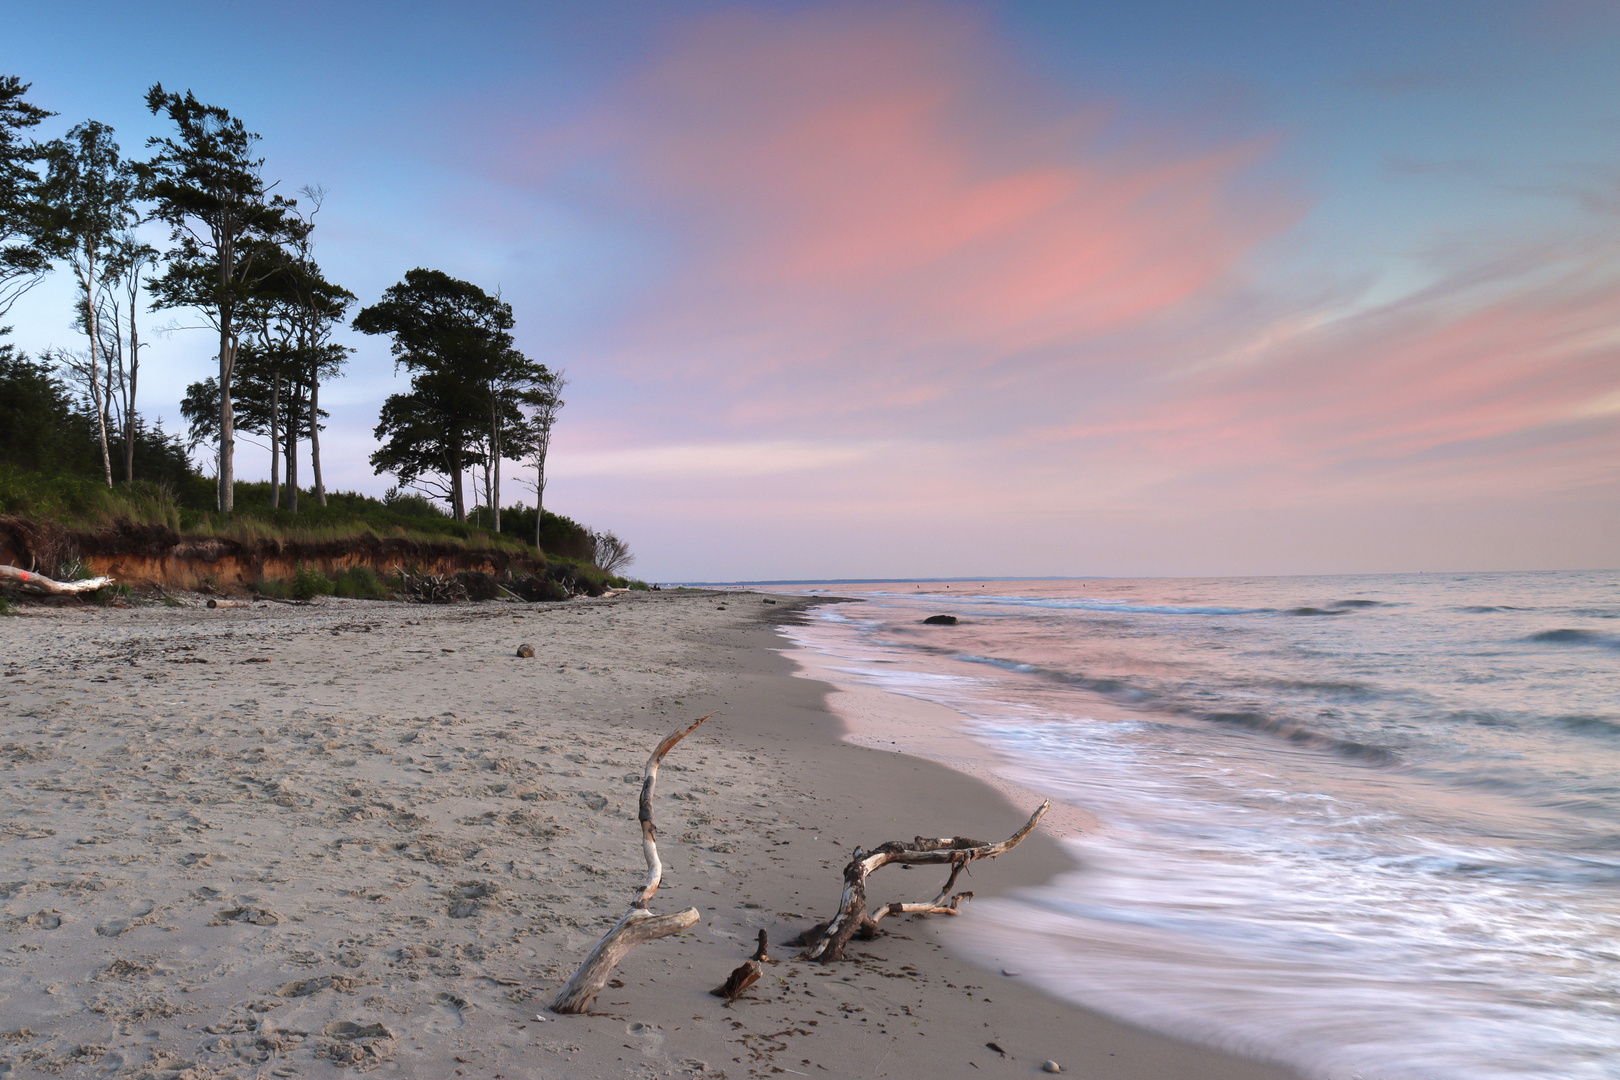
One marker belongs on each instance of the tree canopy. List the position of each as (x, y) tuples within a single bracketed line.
[(455, 340), (24, 226), (225, 225)]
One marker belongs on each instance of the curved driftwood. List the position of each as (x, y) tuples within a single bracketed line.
[(638, 925), (39, 583), (827, 941)]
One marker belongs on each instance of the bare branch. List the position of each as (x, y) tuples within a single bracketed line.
[(638, 924), (826, 942)]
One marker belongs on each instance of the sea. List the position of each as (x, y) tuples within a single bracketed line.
[(1366, 826)]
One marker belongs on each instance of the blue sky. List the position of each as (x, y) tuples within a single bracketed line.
[(942, 288)]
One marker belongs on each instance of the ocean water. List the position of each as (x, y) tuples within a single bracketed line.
[(1368, 826)]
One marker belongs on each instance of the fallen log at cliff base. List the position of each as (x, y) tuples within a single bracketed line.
[(28, 581)]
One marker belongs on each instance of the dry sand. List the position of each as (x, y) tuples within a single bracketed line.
[(283, 841)]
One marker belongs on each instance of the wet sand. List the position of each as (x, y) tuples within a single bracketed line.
[(283, 841)]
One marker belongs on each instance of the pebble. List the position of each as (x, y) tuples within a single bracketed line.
[(526, 651), (1051, 1067)]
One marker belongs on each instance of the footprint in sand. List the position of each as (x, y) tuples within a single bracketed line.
[(257, 916), (362, 1047), (466, 897), (140, 915), (456, 1011)]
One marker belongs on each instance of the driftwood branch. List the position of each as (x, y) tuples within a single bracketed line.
[(826, 942), (39, 583), (739, 980), (638, 925)]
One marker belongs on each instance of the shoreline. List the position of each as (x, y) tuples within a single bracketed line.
[(257, 870)]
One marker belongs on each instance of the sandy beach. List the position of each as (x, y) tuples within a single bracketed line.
[(286, 840)]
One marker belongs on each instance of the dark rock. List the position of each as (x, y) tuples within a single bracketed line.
[(940, 620), (526, 651)]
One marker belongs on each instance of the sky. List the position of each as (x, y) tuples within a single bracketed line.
[(949, 289)]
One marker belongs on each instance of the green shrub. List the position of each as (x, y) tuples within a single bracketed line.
[(308, 584), (109, 593), (637, 585), (5, 606), (272, 587), (360, 583)]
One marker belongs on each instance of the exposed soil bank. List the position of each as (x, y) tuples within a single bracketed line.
[(156, 555)]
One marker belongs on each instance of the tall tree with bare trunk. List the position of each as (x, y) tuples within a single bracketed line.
[(90, 194), (543, 399), (223, 219)]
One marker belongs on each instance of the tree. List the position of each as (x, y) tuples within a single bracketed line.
[(223, 222), (453, 337), (508, 434), (90, 193), (544, 400), (321, 308), (610, 553), (39, 429), (24, 230), (131, 259)]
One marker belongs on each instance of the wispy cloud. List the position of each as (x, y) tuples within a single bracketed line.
[(706, 461), (894, 278), (871, 201)]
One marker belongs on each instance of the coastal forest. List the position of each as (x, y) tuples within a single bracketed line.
[(241, 256)]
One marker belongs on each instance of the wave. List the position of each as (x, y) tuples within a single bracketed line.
[(1300, 734), (1353, 691), (1108, 687), (1565, 636), (1591, 725), (1316, 611), (1288, 730), (1080, 604), (1490, 609)]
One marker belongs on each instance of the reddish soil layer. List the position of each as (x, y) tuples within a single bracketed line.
[(157, 555)]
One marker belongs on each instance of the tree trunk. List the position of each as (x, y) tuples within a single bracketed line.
[(226, 499), (37, 583), (458, 504), (315, 434), (227, 368), (275, 441), (539, 497), (134, 370), (98, 395), (294, 411), (495, 463)]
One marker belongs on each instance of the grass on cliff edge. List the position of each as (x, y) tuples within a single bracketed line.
[(89, 505)]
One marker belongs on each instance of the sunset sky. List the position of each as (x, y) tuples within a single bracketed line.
[(916, 289)]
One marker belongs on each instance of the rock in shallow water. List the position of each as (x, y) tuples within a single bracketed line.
[(940, 620)]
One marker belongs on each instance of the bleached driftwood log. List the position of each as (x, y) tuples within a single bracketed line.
[(826, 942), (29, 581), (638, 925)]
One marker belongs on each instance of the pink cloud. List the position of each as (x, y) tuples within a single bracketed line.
[(874, 195), (1507, 380)]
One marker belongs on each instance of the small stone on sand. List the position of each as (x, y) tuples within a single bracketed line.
[(526, 651)]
